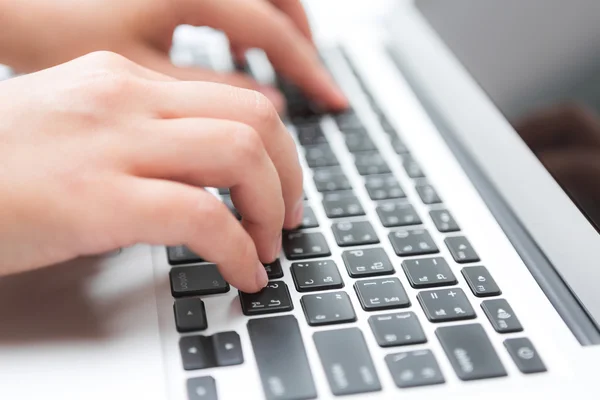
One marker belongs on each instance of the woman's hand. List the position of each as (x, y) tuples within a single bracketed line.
[(101, 153), (37, 34)]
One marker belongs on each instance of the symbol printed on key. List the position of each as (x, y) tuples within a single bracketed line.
[(428, 373), (502, 314), (526, 353), (481, 278), (440, 313), (407, 375), (451, 293), (441, 277), (458, 310)]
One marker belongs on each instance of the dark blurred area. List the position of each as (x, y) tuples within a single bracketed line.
[(539, 61)]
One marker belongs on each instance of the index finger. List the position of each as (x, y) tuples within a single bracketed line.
[(271, 30), (295, 10)]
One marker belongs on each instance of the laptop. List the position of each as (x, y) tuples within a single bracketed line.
[(438, 257)]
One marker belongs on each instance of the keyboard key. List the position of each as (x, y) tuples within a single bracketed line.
[(461, 249), (399, 146), (412, 167), (347, 362), (320, 155), (274, 270), (274, 298), (328, 308), (219, 350), (370, 163), (359, 141), (398, 329), (412, 242), (428, 272), (414, 368), (501, 315), (446, 305), (525, 355), (481, 282), (281, 358), (197, 280), (367, 262), (182, 255), (428, 194), (301, 245), (443, 220), (229, 203), (202, 388), (223, 191), (348, 121), (381, 294), (342, 204), (354, 233), (383, 187), (190, 314), (397, 213), (316, 275), (309, 220), (470, 352), (310, 134), (330, 179)]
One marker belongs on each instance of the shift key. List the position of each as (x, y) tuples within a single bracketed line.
[(346, 361), (281, 358)]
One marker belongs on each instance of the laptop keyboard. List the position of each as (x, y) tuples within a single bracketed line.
[(275, 335)]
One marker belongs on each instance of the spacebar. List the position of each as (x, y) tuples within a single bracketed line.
[(281, 358)]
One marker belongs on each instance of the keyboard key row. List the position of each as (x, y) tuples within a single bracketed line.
[(383, 187), (219, 350)]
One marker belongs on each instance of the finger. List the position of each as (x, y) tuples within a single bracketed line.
[(274, 32), (219, 153), (201, 99), (161, 63), (296, 12), (169, 213)]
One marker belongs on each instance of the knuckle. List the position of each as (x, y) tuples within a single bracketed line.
[(108, 59), (247, 145), (109, 87)]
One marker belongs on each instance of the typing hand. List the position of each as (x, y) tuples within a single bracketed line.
[(48, 33), (101, 153)]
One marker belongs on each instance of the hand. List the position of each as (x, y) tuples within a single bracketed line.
[(101, 153), (40, 34)]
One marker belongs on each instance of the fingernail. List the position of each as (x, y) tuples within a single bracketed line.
[(277, 247), (261, 276), (299, 212), (274, 95)]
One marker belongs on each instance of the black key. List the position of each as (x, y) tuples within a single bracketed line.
[(461, 249), (190, 314), (182, 255), (481, 282), (398, 329), (367, 262), (412, 167), (310, 134), (444, 221), (281, 358), (370, 163), (202, 388), (316, 275), (385, 123), (446, 305), (354, 233), (274, 270), (320, 156), (342, 204), (412, 242), (470, 352), (223, 191), (501, 315), (428, 272), (309, 220), (348, 121), (302, 245), (229, 203), (525, 355), (381, 294), (227, 348), (428, 194), (399, 146), (383, 187), (347, 361), (397, 213), (328, 308), (197, 280), (331, 179), (274, 298), (359, 141), (219, 350), (414, 368)]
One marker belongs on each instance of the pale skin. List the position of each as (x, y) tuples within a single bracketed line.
[(102, 152)]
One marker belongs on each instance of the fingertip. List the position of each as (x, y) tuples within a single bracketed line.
[(261, 277), (274, 96)]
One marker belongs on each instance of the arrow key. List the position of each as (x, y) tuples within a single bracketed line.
[(190, 314)]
